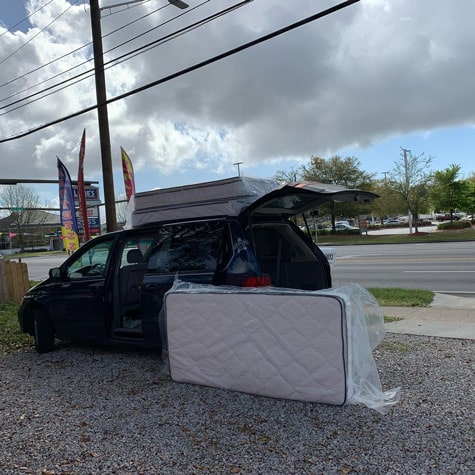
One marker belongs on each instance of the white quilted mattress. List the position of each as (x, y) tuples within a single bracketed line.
[(285, 345)]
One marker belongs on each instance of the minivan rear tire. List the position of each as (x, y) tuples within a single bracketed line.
[(44, 332)]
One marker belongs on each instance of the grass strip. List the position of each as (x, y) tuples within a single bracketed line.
[(356, 239), (397, 297), (11, 339)]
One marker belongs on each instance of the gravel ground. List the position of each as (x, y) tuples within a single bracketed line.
[(95, 411)]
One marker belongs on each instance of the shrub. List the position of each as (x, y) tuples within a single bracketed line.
[(455, 225)]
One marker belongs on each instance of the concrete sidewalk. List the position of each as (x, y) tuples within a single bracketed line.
[(448, 316)]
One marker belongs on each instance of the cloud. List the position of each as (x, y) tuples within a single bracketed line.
[(366, 73)]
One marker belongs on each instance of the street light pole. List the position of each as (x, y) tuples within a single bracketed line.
[(103, 117)]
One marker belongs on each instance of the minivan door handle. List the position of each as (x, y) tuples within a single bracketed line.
[(151, 287)]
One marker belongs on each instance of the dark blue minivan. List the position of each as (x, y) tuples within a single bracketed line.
[(111, 290)]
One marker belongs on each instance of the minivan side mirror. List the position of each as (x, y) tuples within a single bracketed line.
[(55, 273)]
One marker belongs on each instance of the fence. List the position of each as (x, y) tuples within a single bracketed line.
[(14, 281)]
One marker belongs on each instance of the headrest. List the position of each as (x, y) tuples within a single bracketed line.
[(134, 256)]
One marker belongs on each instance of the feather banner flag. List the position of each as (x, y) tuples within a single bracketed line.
[(128, 170), (69, 226), (81, 190)]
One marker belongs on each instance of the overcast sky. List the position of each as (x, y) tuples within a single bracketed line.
[(364, 81)]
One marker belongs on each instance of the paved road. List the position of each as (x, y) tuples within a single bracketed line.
[(38, 266), (441, 267)]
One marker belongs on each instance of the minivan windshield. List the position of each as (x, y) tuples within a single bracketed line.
[(91, 262)]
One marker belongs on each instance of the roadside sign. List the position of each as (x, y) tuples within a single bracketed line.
[(363, 224)]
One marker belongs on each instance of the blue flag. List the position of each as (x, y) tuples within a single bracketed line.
[(69, 226)]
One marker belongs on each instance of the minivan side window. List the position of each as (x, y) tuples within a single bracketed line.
[(91, 262), (135, 249), (188, 247)]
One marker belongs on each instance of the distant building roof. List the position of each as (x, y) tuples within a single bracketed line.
[(31, 218)]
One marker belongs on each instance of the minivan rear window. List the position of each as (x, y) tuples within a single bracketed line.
[(290, 203)]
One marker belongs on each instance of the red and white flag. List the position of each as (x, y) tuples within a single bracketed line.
[(81, 190)]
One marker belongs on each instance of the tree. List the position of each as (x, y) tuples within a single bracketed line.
[(338, 171), (471, 195), (448, 193), (21, 201), (121, 209), (390, 202), (288, 176), (412, 178)]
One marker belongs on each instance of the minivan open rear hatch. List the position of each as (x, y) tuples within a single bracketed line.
[(296, 198)]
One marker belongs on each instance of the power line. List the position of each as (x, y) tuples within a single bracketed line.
[(120, 59), (157, 26), (64, 85), (39, 33), (49, 63), (190, 69), (26, 18), (126, 5), (180, 32), (80, 64), (43, 90)]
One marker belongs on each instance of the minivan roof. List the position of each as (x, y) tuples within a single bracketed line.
[(236, 196)]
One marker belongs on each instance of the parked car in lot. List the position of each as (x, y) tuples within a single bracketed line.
[(346, 222), (446, 217), (231, 232), (393, 221), (345, 227)]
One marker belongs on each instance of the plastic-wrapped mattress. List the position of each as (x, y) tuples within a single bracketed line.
[(222, 197), (310, 346)]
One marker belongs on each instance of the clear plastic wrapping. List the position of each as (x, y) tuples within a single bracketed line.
[(223, 197), (365, 331), (362, 330)]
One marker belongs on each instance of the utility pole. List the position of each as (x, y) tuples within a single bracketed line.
[(238, 167), (103, 117)]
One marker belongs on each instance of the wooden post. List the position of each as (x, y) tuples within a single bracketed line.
[(14, 281), (3, 281)]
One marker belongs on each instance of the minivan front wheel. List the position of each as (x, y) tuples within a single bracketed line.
[(44, 332)]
